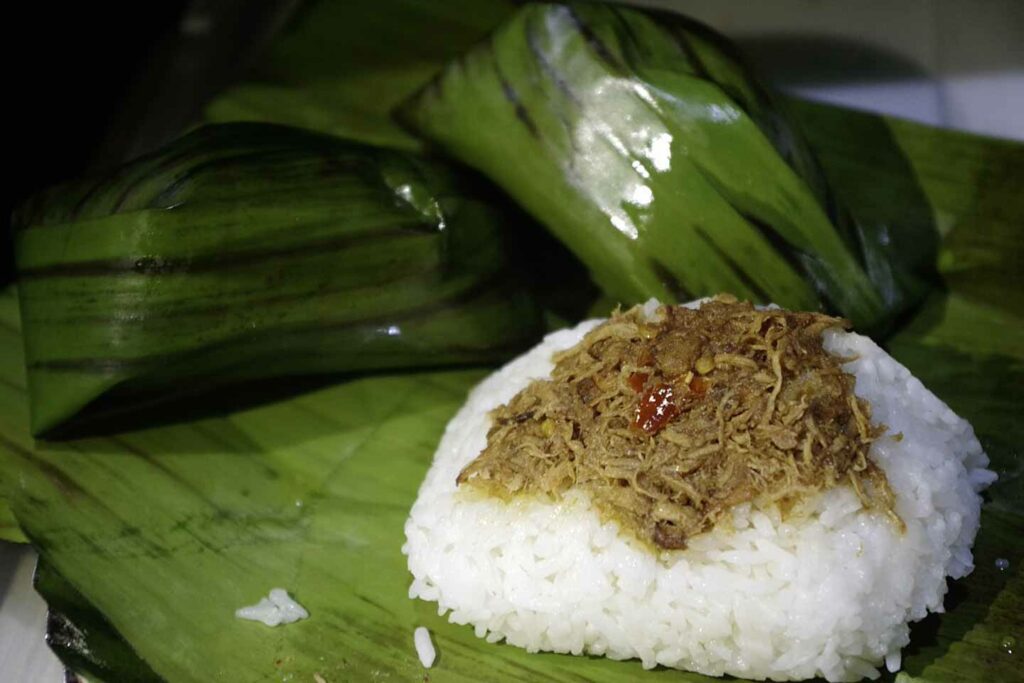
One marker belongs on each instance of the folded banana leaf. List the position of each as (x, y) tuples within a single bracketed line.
[(150, 539), (310, 77), (252, 251), (316, 74), (968, 337), (644, 144), (311, 492)]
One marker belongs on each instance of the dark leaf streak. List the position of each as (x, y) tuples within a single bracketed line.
[(217, 156), (530, 32), (214, 262), (683, 43), (99, 185), (791, 254), (738, 271), (77, 210), (143, 174), (511, 96), (236, 148), (20, 388), (373, 603), (735, 98), (196, 307), (176, 478), (766, 117), (669, 279), (110, 366), (216, 436), (548, 70), (625, 28), (592, 39), (164, 199), (69, 489), (218, 516), (765, 120), (106, 547)]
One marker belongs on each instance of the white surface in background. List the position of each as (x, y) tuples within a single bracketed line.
[(909, 99), (24, 656), (992, 104), (943, 62)]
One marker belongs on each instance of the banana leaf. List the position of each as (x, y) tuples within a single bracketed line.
[(311, 493), (244, 252), (9, 529), (12, 372), (146, 577), (221, 521), (645, 145), (318, 72), (968, 335)]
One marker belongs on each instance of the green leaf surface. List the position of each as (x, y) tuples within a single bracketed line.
[(152, 538), (9, 529), (12, 375), (966, 351), (894, 173), (645, 145), (319, 71), (251, 252), (311, 494), (309, 77), (967, 340)]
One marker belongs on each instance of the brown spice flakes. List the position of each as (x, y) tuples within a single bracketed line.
[(668, 424)]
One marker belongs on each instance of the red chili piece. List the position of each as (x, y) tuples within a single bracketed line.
[(656, 409), (637, 381)]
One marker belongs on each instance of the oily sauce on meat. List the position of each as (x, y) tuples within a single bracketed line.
[(668, 423)]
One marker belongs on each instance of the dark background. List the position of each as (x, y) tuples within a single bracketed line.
[(71, 66)]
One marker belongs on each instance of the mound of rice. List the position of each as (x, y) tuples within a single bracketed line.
[(829, 594)]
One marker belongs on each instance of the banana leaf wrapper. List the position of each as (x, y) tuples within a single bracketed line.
[(247, 252), (643, 143), (219, 522), (125, 574)]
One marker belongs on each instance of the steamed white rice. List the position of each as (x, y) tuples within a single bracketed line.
[(275, 609), (829, 594), (424, 646)]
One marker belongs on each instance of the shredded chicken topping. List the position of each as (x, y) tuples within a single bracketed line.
[(669, 423)]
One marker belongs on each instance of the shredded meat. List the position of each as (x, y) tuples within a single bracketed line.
[(669, 423)]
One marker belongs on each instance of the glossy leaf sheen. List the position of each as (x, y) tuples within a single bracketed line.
[(646, 147), (250, 251), (359, 449), (967, 342)]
